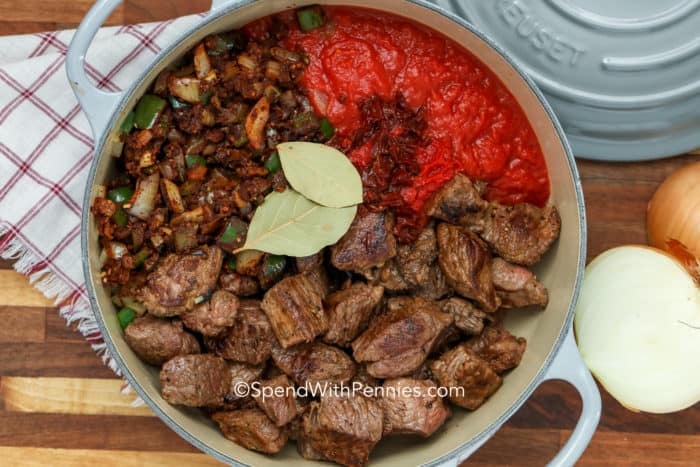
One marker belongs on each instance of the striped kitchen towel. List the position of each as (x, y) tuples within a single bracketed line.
[(46, 148)]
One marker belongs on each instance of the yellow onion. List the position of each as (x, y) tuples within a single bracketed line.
[(674, 211)]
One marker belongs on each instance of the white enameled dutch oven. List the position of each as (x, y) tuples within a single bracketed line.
[(551, 351)]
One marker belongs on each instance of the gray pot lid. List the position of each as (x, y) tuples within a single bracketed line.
[(623, 76)]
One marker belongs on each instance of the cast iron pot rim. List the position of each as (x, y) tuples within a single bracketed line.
[(164, 55)]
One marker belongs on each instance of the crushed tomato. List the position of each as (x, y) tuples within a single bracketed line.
[(474, 124)]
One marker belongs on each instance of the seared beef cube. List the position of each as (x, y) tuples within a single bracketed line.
[(447, 340), (195, 380), (310, 263), (181, 281), (423, 371), (457, 199), (466, 261), (309, 364), (239, 285), (252, 429), (414, 260), (306, 450), (276, 399), (213, 317), (368, 243), (412, 406), (241, 376), (157, 340), (295, 310), (390, 277), (364, 378), (349, 311), (343, 429), (517, 286), (521, 233), (468, 318), (499, 348), (249, 340), (436, 287), (462, 368), (398, 341)]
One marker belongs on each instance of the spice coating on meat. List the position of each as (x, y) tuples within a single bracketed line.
[(521, 233), (343, 429), (157, 340), (468, 318), (295, 310), (315, 363), (195, 380), (517, 286), (276, 399), (412, 406), (252, 429), (398, 341), (214, 316), (462, 368), (499, 348), (457, 199), (349, 312), (368, 243), (180, 280), (466, 262), (249, 340)]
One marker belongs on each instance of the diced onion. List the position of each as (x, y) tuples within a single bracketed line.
[(145, 196)]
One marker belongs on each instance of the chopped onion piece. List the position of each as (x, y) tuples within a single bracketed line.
[(145, 196)]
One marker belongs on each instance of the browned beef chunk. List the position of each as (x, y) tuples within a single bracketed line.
[(239, 285), (180, 281), (195, 380), (468, 318), (213, 317), (446, 340), (241, 374), (252, 429), (364, 378), (415, 259), (457, 199), (157, 340), (499, 348), (521, 233), (423, 371), (517, 286), (412, 406), (368, 243), (249, 340), (462, 368), (398, 341), (308, 364), (436, 287), (295, 310), (343, 429), (313, 268), (310, 263), (466, 262), (349, 311), (276, 399), (389, 276)]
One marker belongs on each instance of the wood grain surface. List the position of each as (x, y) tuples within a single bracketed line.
[(60, 406)]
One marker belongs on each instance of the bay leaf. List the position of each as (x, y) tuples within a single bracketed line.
[(289, 224), (321, 173)]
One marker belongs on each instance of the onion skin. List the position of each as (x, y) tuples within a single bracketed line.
[(674, 211)]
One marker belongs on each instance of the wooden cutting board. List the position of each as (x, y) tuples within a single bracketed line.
[(60, 406)]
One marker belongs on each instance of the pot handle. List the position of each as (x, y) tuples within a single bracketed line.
[(98, 105), (568, 366)]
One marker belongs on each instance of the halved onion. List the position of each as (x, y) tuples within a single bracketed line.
[(637, 325)]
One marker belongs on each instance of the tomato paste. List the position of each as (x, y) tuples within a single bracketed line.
[(474, 124)]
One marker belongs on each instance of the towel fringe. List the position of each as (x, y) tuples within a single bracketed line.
[(72, 306)]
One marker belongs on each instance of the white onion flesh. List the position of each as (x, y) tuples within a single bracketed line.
[(637, 325)]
